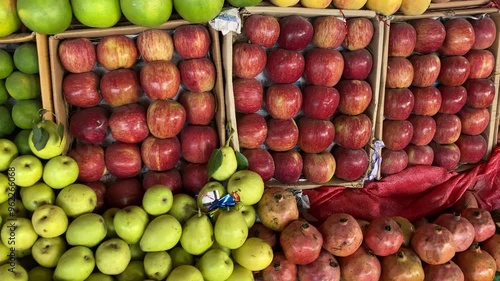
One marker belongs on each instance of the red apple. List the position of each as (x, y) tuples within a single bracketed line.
[(402, 39), (165, 118), (328, 32), (252, 130), (120, 87), (482, 63), (198, 75), (248, 60), (431, 34), (100, 191), (194, 177), (116, 51), (323, 67), (355, 96), (315, 135), (123, 160), (400, 73), (474, 120), (485, 31), (296, 32), (191, 41), (453, 98), (424, 129), (480, 92), (283, 101), (352, 164), (472, 148), (82, 89), (319, 102), (427, 100), (124, 192), (359, 33), (454, 70), (160, 154), (282, 134), (288, 166), (77, 55), (318, 167), (448, 127), (460, 37), (284, 66), (200, 107), (155, 45), (128, 123), (262, 30), (248, 95), (446, 156), (357, 64), (198, 142), (170, 178), (160, 79), (352, 131), (397, 134), (89, 124), (90, 160), (426, 68), (260, 161), (398, 103), (393, 161), (419, 155)]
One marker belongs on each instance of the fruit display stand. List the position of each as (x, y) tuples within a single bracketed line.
[(375, 48)]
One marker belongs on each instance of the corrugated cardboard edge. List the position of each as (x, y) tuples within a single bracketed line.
[(61, 108), (458, 4)]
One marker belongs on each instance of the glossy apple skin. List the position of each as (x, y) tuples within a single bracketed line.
[(82, 89), (160, 79), (419, 155), (198, 142), (319, 102), (328, 32), (460, 37), (262, 30), (480, 92), (474, 120), (424, 128), (155, 45), (393, 161), (248, 95), (191, 41), (355, 96), (288, 166), (198, 75), (252, 130), (90, 160), (170, 178), (448, 127), (431, 34), (120, 87), (284, 66), (402, 39), (446, 156), (318, 167), (453, 98), (123, 160), (160, 154), (397, 134), (359, 33), (323, 67), (398, 103), (282, 134), (200, 107), (89, 124), (165, 118), (77, 55), (352, 131), (482, 63), (352, 164), (128, 123), (485, 32), (315, 135), (283, 101), (296, 32), (472, 148), (116, 51), (194, 177), (100, 191), (426, 69), (400, 73), (454, 70), (248, 60), (124, 192), (357, 64), (428, 100), (260, 161)]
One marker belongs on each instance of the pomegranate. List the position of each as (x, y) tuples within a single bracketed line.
[(433, 244), (383, 236), (443, 272), (342, 234), (363, 224), (483, 223), (360, 266), (492, 247), (461, 229), (420, 221), (301, 242), (261, 231), (280, 269), (325, 267), (277, 208), (407, 228), (468, 200), (404, 265), (476, 264)]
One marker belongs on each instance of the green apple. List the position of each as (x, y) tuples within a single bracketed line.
[(183, 207), (86, 230), (99, 276), (134, 271), (210, 192), (255, 254), (247, 185), (7, 189), (7, 126), (37, 195), (112, 256), (4, 253), (8, 273), (215, 265), (60, 171), (9, 153), (157, 265), (185, 272), (47, 251), (18, 233), (109, 216), (231, 229), (76, 199), (25, 113), (27, 170), (248, 212), (226, 158), (135, 252), (24, 253), (40, 273), (21, 141), (240, 274), (161, 234), (179, 257), (243, 3), (76, 263), (157, 200), (49, 221), (130, 223), (55, 143), (7, 212)]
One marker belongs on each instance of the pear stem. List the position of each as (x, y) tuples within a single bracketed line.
[(230, 130)]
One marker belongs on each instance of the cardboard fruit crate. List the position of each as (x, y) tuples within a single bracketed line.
[(491, 132), (373, 79), (458, 4)]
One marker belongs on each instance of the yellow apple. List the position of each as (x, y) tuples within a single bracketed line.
[(18, 233), (37, 195), (49, 221), (414, 8), (284, 3), (5, 188), (349, 4), (316, 4), (384, 7), (47, 251)]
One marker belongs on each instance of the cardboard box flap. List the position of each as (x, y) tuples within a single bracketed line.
[(17, 38)]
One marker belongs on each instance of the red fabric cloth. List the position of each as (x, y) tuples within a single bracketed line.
[(414, 193)]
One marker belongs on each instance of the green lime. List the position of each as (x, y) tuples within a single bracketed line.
[(6, 64), (7, 126), (4, 96), (97, 13), (21, 141), (26, 58), (8, 17), (147, 13), (45, 16), (22, 86), (25, 113)]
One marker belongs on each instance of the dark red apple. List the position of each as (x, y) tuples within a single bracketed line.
[(165, 118), (252, 130), (424, 128), (262, 30), (283, 101), (355, 96), (288, 166), (397, 134), (446, 156), (402, 39), (191, 41), (398, 103), (359, 33), (200, 107), (393, 161), (480, 92), (100, 191), (426, 68), (77, 55), (329, 32), (318, 167), (315, 135), (194, 177), (453, 98), (448, 127), (319, 102), (198, 142), (282, 134), (90, 160), (128, 123), (248, 60), (352, 164), (323, 67), (485, 31), (419, 155), (460, 37), (260, 161), (89, 124), (474, 120), (482, 63), (160, 79), (198, 75), (472, 148), (296, 32), (160, 154), (352, 131), (357, 64), (431, 34), (82, 89), (248, 95), (170, 178), (124, 192), (155, 45), (400, 73), (120, 87), (427, 100), (123, 160), (454, 70), (284, 66), (116, 51)]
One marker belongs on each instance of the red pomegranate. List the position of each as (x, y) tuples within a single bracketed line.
[(420, 221), (476, 264), (443, 272), (277, 208), (407, 227), (482, 221), (404, 265), (301, 242), (261, 231), (363, 224), (325, 267), (280, 269), (383, 236), (360, 266), (492, 247), (433, 244), (461, 229), (468, 200), (342, 234)]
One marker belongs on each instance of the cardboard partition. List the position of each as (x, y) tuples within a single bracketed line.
[(460, 4)]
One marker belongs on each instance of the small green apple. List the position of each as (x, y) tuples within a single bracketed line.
[(7, 211), (37, 195), (18, 233), (215, 265), (4, 253), (157, 265), (248, 212), (8, 273), (49, 221), (255, 254), (134, 271), (246, 185), (21, 141), (210, 192), (240, 274), (40, 273), (8, 153), (183, 207), (47, 251), (161, 234), (27, 170), (109, 216), (25, 253), (86, 230), (130, 223), (6, 188), (180, 257), (231, 229), (135, 252), (76, 199), (60, 172), (185, 272), (112, 256), (197, 235), (76, 263), (99, 276), (157, 200)]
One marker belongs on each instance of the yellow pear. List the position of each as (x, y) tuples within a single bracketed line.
[(384, 7), (284, 3), (228, 164), (414, 8)]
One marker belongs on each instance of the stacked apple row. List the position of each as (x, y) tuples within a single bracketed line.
[(438, 93), (301, 96)]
